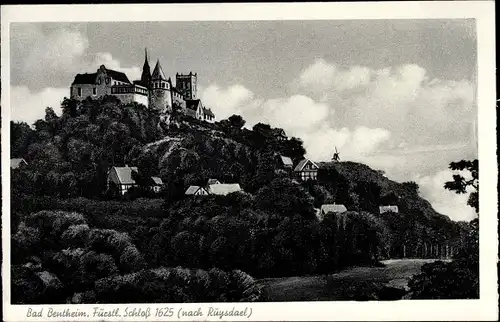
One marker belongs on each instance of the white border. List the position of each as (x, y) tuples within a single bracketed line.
[(482, 11)]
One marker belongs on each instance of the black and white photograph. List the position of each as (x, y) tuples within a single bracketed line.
[(243, 161)]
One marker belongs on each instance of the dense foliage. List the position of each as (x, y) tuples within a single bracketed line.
[(460, 278)]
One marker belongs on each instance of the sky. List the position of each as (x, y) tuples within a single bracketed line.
[(397, 95)]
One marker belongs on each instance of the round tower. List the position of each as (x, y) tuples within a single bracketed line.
[(160, 96)]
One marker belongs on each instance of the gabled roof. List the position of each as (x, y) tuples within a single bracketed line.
[(119, 76), (279, 132), (157, 181), (383, 209), (85, 78), (223, 189), (335, 208), (302, 163), (158, 72), (286, 160), (208, 112), (125, 174), (192, 104), (192, 190), (16, 162), (212, 181)]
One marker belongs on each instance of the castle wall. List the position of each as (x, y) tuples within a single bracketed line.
[(160, 100)]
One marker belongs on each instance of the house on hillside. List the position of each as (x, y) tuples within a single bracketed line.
[(285, 162), (279, 134), (223, 189), (121, 179), (212, 181), (156, 184), (306, 170), (194, 108), (18, 163), (384, 209), (208, 115), (196, 191)]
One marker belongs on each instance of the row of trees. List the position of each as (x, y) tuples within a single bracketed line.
[(58, 258)]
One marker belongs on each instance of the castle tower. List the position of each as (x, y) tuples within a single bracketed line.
[(187, 85), (160, 96), (146, 72)]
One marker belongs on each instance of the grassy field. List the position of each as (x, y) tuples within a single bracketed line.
[(356, 283)]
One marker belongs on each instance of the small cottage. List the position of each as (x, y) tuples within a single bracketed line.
[(121, 178), (279, 134), (156, 184), (17, 163), (330, 208), (196, 191), (384, 209), (223, 189), (286, 162), (212, 181), (306, 170)]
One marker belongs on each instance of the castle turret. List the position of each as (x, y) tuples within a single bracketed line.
[(160, 98), (187, 85), (146, 72)]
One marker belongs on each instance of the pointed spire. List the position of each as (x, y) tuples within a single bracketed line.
[(146, 71), (158, 72)]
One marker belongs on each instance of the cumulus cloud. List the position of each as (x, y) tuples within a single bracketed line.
[(107, 60), (445, 201), (54, 55), (28, 106), (417, 109), (299, 116)]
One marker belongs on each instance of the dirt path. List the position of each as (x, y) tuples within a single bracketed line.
[(396, 273)]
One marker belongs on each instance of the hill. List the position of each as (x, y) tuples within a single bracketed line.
[(269, 230)]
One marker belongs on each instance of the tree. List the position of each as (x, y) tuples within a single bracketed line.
[(460, 184)]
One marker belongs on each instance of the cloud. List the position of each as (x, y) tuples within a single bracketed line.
[(51, 57), (403, 99), (107, 60), (300, 116), (445, 201), (30, 107), (45, 51)]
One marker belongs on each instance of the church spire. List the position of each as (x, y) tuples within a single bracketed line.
[(146, 71)]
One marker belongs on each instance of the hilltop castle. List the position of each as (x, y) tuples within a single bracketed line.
[(154, 90)]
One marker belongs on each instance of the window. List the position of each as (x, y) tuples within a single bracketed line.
[(99, 81), (162, 85), (79, 91), (94, 91)]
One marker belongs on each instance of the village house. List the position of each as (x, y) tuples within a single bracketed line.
[(279, 134), (285, 162), (306, 170), (330, 208), (384, 209), (156, 184), (121, 179), (18, 163), (196, 191)]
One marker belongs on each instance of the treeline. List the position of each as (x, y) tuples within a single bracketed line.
[(272, 233), (58, 258)]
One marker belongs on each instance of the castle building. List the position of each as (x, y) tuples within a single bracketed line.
[(153, 90)]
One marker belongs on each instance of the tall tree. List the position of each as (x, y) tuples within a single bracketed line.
[(462, 185)]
